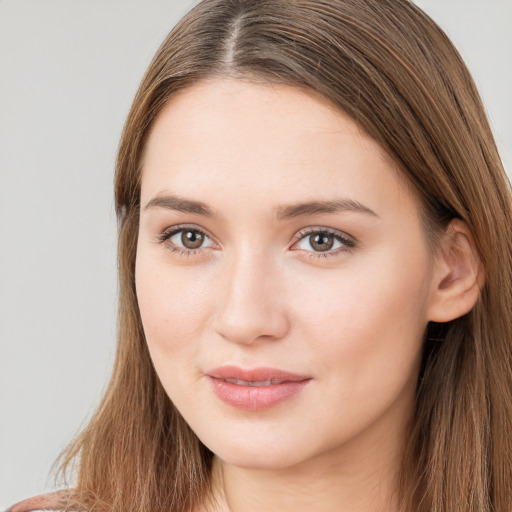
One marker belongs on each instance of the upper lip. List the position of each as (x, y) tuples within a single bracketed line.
[(255, 374)]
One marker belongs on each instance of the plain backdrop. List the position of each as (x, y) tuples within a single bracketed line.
[(68, 72)]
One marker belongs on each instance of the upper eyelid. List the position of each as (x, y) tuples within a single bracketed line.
[(302, 232), (318, 229), (172, 230)]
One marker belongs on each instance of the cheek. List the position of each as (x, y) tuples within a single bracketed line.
[(174, 306), (364, 333), (369, 315)]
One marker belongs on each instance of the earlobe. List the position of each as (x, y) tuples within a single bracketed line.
[(458, 275)]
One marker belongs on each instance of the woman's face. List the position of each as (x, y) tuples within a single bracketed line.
[(283, 276)]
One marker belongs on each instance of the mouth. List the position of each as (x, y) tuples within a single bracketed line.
[(254, 383), (256, 389)]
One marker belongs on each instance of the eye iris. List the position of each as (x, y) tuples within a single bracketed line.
[(192, 239), (321, 241)]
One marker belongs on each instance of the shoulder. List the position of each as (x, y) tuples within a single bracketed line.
[(44, 502)]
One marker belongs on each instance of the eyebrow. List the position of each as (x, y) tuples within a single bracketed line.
[(315, 207), (180, 204)]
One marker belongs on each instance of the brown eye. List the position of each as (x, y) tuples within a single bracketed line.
[(186, 240), (321, 241), (192, 239)]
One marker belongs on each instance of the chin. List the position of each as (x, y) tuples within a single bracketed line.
[(272, 454), (260, 460)]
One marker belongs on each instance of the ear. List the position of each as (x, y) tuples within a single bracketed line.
[(458, 275)]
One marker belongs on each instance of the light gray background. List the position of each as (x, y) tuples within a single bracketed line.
[(68, 72)]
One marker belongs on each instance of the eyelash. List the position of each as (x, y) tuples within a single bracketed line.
[(347, 242), (164, 237)]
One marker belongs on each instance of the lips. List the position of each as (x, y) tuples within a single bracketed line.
[(240, 382), (255, 389)]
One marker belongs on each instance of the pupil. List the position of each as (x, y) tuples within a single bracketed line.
[(321, 241), (192, 239)]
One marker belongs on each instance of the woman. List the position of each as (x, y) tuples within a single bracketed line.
[(315, 269)]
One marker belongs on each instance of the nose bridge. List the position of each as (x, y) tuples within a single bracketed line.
[(251, 306)]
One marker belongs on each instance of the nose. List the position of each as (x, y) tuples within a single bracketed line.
[(251, 304)]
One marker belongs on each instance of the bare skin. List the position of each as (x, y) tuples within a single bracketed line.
[(233, 270)]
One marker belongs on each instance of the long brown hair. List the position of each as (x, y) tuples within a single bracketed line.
[(391, 69)]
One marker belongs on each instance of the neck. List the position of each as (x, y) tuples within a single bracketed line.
[(361, 477)]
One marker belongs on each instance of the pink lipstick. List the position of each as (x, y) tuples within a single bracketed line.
[(257, 389)]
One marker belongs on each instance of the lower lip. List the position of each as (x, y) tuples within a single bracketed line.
[(255, 398)]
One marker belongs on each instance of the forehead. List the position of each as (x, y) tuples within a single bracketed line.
[(266, 141), (268, 113)]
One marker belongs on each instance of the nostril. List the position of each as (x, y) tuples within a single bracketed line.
[(246, 325), (248, 308)]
